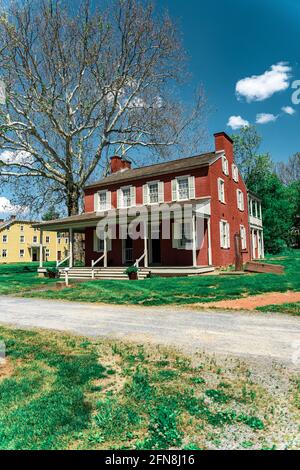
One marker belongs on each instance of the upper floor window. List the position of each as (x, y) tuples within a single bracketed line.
[(240, 199), (235, 173), (183, 188), (22, 239), (224, 234), (22, 228), (103, 200), (4, 238), (35, 239), (153, 192), (225, 167), (47, 239), (126, 197), (221, 190)]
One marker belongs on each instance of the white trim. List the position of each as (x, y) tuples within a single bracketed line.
[(225, 165), (160, 192), (224, 234), (243, 235), (221, 190), (235, 172), (240, 200)]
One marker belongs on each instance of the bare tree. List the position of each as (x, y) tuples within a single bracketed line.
[(83, 85), (289, 172)]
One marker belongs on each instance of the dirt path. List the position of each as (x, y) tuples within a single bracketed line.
[(250, 303), (266, 337)]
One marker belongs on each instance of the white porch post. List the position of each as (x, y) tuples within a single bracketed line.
[(41, 248), (258, 244), (105, 250), (194, 241), (71, 248), (262, 244), (209, 242), (146, 260)]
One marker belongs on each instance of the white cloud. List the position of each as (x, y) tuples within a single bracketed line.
[(236, 122), (288, 110), (6, 207), (264, 118), (261, 87), (9, 157)]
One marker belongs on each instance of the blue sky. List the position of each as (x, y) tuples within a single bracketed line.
[(230, 40)]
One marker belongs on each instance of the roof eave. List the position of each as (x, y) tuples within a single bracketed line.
[(210, 160)]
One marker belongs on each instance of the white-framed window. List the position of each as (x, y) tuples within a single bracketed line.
[(58, 240), (183, 235), (22, 253), (103, 200), (225, 166), (235, 173), (4, 253), (66, 240), (240, 199), (47, 239), (35, 239), (224, 234), (183, 188), (126, 196), (4, 238), (221, 190), (99, 243), (22, 228), (22, 239), (47, 252), (153, 192), (243, 237)]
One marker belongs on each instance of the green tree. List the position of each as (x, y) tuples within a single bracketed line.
[(278, 208), (279, 201), (51, 214)]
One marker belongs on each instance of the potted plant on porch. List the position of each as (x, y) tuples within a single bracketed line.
[(132, 273)]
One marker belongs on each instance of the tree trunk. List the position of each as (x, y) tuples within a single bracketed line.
[(73, 197)]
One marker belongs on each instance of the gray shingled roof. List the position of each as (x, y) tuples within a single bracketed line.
[(157, 169)]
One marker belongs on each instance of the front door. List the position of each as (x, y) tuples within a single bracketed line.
[(155, 251), (128, 251), (34, 255)]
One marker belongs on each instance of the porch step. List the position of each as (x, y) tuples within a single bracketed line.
[(117, 273), (85, 273)]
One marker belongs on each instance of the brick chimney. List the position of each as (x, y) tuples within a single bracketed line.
[(224, 142), (119, 164)]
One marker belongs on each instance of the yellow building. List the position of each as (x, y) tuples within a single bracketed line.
[(20, 243)]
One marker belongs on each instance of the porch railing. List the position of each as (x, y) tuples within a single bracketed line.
[(102, 257), (138, 261), (59, 263)]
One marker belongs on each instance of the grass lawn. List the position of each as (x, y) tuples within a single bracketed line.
[(63, 392), (163, 291), (18, 277), (292, 309)]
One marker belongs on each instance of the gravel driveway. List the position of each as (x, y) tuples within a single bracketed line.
[(256, 336)]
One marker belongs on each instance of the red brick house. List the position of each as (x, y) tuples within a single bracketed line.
[(209, 184)]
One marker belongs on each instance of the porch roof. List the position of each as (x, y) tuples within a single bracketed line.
[(90, 219), (79, 222)]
